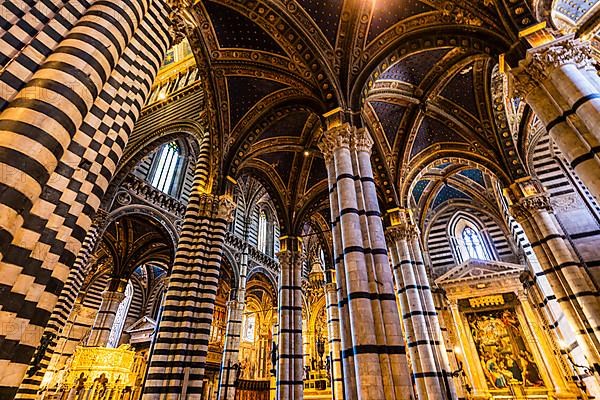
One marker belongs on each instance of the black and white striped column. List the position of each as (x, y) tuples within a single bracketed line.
[(579, 300), (435, 331), (290, 371), (59, 325), (425, 373), (559, 82), (229, 367), (177, 363), (235, 310), (111, 299), (78, 78), (333, 331), (373, 353)]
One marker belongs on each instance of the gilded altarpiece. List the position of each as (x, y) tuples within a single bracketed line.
[(499, 338)]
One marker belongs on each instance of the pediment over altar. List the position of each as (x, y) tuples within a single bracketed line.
[(142, 330), (480, 276)]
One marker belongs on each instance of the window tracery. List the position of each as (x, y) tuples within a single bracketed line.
[(164, 168)]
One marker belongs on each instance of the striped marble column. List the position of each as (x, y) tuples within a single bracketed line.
[(580, 301), (57, 325), (435, 331), (177, 363), (555, 79), (425, 373), (333, 333), (372, 348), (229, 367), (235, 309), (87, 71), (290, 371), (111, 299), (389, 332)]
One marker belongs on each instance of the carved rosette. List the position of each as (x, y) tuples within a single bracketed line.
[(362, 141)]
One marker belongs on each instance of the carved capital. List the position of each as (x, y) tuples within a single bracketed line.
[(285, 259), (361, 140), (178, 28), (528, 205), (567, 50), (100, 219), (402, 232), (541, 61), (335, 138), (226, 208)]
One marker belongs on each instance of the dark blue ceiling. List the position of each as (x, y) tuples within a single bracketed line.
[(388, 13), (236, 31), (389, 116), (413, 69), (431, 132), (446, 193), (245, 92), (326, 14)]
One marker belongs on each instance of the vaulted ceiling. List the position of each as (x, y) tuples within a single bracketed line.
[(416, 73)]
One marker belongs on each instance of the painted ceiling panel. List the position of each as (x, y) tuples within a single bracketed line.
[(236, 31), (290, 125), (574, 9), (388, 13), (245, 92), (446, 193), (414, 68), (430, 132), (474, 175), (318, 172), (419, 188), (460, 90), (389, 116), (326, 14), (282, 162)]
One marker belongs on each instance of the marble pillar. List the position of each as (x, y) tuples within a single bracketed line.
[(580, 302), (111, 299), (558, 81)]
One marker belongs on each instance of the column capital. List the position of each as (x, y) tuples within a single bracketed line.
[(100, 218), (335, 138), (527, 196), (330, 287), (401, 232), (179, 27), (361, 140), (226, 208), (541, 61), (220, 206), (110, 296)]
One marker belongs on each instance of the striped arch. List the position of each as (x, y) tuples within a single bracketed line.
[(149, 212), (230, 259)]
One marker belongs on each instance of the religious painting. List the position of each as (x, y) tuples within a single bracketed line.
[(504, 355)]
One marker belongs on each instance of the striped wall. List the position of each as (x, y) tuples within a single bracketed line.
[(65, 158), (575, 208), (439, 245), (541, 294)]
